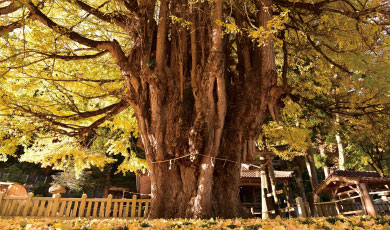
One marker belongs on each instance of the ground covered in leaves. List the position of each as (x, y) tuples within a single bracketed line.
[(339, 222)]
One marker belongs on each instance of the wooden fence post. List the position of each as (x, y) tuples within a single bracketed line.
[(108, 206), (301, 207), (82, 205), (313, 211), (133, 205), (56, 202), (319, 210), (1, 198), (28, 204)]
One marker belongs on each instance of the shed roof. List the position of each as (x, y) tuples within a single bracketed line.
[(345, 178), (253, 171), (353, 173)]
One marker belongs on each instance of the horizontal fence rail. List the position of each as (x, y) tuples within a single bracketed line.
[(56, 206), (346, 206)]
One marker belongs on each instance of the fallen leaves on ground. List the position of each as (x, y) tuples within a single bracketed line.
[(327, 223)]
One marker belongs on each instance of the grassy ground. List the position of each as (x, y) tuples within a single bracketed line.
[(340, 222)]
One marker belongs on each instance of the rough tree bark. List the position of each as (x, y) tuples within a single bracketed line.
[(299, 178), (198, 125), (311, 167), (189, 101), (322, 148)]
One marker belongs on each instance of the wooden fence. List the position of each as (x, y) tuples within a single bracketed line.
[(339, 207), (56, 206)]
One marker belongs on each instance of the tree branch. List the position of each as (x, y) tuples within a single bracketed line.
[(116, 110), (78, 130), (112, 46), (74, 58), (118, 19), (88, 114), (131, 5), (317, 8), (9, 9), (10, 27), (38, 15), (319, 50), (305, 6)]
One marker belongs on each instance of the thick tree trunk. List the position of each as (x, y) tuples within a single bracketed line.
[(196, 131), (311, 167), (107, 185), (340, 147), (299, 181), (177, 186), (323, 155)]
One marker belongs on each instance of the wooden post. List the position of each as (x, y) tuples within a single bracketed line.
[(271, 173), (1, 198), (301, 207), (133, 205), (336, 203), (316, 198), (28, 204), (271, 207), (48, 207), (366, 198), (313, 210), (264, 189), (299, 180), (82, 205), (75, 207), (146, 209), (11, 208), (108, 207), (102, 211), (318, 207), (4, 207), (320, 213), (56, 202), (115, 211), (288, 196)]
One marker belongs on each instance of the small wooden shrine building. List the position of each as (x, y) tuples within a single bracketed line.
[(250, 182), (349, 188)]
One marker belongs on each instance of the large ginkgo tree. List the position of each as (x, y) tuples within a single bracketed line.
[(193, 79)]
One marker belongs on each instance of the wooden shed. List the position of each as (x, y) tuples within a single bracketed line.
[(250, 184), (12, 189), (250, 175), (351, 188)]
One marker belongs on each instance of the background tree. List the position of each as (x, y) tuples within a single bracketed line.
[(200, 78), (368, 144)]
